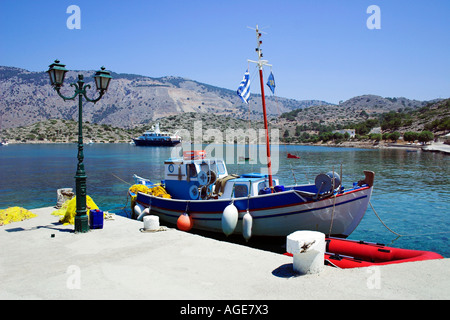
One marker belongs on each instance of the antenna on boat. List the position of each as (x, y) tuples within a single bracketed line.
[(258, 49), (261, 63)]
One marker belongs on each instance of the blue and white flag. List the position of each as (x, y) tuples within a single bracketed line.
[(244, 88), (271, 83)]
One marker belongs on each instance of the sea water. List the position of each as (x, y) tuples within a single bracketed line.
[(411, 191)]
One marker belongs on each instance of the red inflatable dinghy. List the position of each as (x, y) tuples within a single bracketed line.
[(356, 254)]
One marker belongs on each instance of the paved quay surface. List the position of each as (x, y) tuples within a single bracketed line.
[(437, 147), (121, 262)]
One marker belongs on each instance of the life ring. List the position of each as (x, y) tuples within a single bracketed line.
[(193, 192), (202, 178)]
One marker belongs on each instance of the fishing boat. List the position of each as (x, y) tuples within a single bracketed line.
[(155, 137), (198, 192)]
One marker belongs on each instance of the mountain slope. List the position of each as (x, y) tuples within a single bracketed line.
[(27, 97)]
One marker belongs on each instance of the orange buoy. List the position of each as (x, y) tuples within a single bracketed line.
[(185, 222)]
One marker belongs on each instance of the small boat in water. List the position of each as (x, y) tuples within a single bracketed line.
[(292, 156), (198, 192), (347, 254), (156, 138)]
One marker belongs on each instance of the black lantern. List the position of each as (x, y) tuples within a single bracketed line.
[(57, 72), (102, 79)]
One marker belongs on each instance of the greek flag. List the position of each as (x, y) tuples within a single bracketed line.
[(271, 83), (244, 88)]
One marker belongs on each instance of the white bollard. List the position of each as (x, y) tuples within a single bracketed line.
[(308, 248), (151, 223)]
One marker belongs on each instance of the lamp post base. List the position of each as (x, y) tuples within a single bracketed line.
[(81, 224)]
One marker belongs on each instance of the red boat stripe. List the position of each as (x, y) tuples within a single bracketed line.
[(261, 217)]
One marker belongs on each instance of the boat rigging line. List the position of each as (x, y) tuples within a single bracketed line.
[(403, 235)]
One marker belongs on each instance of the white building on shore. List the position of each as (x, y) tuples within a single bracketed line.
[(351, 132)]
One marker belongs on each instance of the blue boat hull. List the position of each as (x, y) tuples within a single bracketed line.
[(277, 214), (155, 143)]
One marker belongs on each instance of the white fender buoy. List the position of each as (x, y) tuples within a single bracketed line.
[(144, 213), (138, 208), (229, 219), (247, 224)]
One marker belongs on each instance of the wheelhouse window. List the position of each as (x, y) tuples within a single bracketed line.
[(220, 167), (240, 190), (192, 170)]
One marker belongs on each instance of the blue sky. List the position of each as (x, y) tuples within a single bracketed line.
[(318, 49)]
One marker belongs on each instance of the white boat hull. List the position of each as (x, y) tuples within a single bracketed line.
[(277, 214)]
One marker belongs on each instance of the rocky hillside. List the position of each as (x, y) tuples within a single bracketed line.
[(433, 116), (66, 131), (357, 109), (27, 97)]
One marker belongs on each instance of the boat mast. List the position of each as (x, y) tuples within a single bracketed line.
[(260, 64)]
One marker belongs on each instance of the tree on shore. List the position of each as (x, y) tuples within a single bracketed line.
[(411, 136), (425, 136)]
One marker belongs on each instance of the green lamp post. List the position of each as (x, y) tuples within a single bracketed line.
[(102, 78)]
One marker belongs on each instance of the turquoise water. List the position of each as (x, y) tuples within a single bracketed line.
[(411, 193)]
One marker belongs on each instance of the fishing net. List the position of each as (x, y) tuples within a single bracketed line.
[(15, 214), (156, 190), (68, 212)]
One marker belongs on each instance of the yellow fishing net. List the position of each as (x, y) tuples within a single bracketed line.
[(68, 210), (15, 214), (157, 190)]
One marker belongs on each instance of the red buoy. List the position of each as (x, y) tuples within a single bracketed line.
[(185, 222)]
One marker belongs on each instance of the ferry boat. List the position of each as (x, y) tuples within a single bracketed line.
[(198, 192), (155, 137)]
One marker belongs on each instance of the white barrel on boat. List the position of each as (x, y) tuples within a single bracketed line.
[(308, 249), (247, 223), (229, 219), (151, 223)]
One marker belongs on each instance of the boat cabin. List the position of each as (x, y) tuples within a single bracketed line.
[(194, 177), (252, 184)]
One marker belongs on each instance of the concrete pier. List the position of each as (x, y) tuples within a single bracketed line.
[(42, 259), (437, 147)]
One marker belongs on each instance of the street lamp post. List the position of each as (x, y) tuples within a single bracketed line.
[(57, 74)]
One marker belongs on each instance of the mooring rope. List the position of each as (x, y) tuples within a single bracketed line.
[(404, 235), (398, 234), (334, 206), (121, 179)]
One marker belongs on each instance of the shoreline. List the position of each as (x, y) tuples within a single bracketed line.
[(432, 147)]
